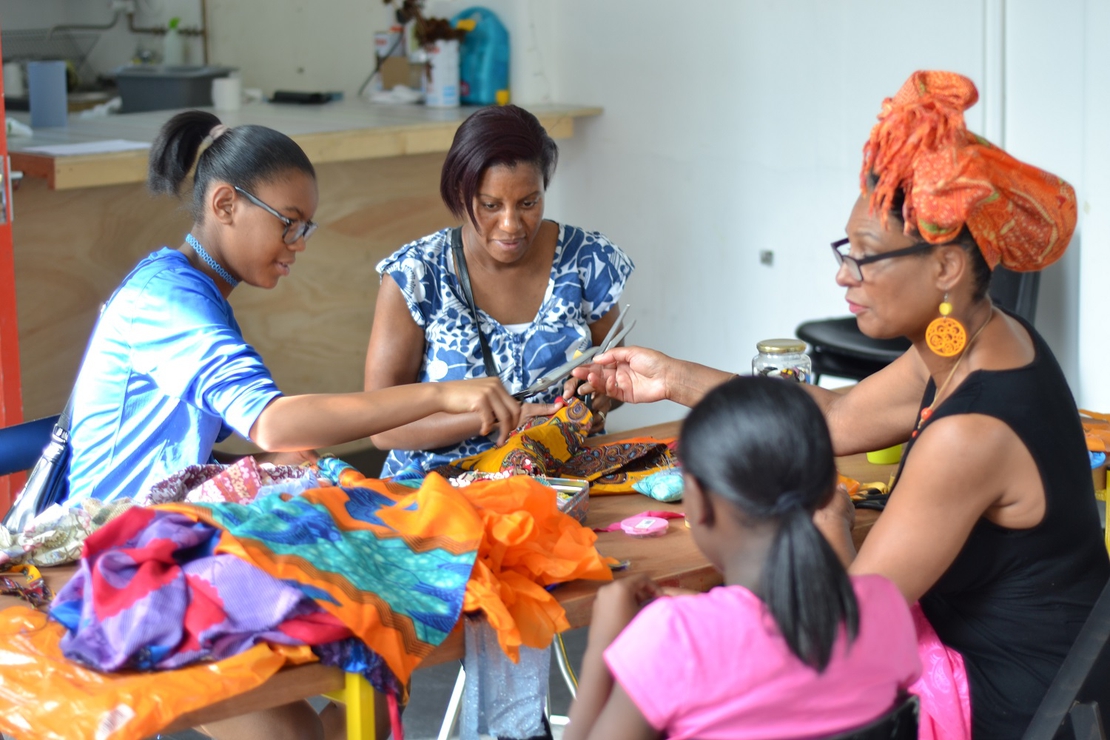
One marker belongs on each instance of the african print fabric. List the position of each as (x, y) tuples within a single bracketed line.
[(555, 447), (1021, 217), (588, 276)]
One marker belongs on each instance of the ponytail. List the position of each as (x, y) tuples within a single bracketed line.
[(763, 446), (241, 156), (807, 590)]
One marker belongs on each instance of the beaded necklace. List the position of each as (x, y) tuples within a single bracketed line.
[(927, 412), (192, 242)]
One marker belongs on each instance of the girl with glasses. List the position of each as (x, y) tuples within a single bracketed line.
[(168, 373)]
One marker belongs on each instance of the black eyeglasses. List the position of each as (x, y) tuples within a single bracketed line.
[(855, 264), (294, 230)]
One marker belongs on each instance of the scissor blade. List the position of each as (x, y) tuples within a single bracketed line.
[(621, 335), (558, 374), (607, 341)]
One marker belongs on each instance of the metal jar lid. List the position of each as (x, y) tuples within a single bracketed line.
[(781, 346)]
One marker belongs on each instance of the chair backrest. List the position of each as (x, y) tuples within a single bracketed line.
[(899, 723), (1016, 291), (21, 444), (1077, 704)]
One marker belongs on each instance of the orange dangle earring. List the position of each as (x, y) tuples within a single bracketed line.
[(945, 335)]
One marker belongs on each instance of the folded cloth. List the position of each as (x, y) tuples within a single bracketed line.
[(238, 483), (56, 536)]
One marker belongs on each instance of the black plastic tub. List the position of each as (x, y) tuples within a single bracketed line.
[(157, 87)]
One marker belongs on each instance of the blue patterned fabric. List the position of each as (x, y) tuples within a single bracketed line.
[(588, 275)]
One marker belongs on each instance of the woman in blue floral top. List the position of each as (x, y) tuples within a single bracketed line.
[(543, 290)]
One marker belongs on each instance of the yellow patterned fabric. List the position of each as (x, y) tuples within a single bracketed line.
[(555, 447)]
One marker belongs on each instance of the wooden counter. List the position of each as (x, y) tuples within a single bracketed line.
[(342, 131), (82, 222)]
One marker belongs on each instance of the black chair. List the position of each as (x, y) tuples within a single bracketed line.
[(899, 723), (1077, 704), (837, 347), (21, 444)]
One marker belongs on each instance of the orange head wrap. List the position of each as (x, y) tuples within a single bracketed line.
[(1020, 216)]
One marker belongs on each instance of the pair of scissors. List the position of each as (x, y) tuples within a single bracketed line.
[(561, 373)]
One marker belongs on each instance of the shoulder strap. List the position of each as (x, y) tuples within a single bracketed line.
[(464, 282)]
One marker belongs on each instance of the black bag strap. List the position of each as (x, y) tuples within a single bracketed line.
[(468, 293)]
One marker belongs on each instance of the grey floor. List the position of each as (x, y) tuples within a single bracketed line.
[(431, 688)]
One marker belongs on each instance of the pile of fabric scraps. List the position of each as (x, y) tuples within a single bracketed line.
[(371, 577), (56, 536), (555, 447), (237, 483)]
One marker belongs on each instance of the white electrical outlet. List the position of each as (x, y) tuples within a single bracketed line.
[(127, 6)]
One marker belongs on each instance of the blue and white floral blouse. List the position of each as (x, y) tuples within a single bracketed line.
[(588, 275)]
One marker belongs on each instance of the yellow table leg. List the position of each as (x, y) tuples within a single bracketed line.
[(358, 697)]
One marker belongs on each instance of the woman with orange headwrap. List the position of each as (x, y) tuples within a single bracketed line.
[(992, 522)]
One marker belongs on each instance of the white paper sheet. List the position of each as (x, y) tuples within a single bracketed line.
[(88, 147)]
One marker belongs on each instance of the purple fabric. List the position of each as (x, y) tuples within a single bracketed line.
[(150, 594)]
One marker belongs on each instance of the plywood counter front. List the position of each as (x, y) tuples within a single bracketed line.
[(82, 222)]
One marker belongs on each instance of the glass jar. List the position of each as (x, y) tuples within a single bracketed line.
[(783, 358)]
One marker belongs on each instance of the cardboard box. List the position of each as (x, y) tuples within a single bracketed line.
[(399, 71)]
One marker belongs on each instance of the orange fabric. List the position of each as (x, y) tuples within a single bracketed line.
[(48, 697), (526, 544), (1019, 215)]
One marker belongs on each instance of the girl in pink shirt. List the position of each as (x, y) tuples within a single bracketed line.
[(790, 646)]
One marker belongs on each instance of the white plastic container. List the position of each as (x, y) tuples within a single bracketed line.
[(442, 79), (173, 48), (227, 93)]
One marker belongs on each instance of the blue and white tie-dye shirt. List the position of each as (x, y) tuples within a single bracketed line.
[(588, 275)]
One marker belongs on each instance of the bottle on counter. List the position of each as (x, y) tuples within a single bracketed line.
[(173, 45), (483, 57), (783, 358)]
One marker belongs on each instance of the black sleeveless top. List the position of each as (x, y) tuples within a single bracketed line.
[(1013, 601)]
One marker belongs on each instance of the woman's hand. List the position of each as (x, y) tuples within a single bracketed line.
[(628, 374), (485, 397), (532, 410), (617, 605), (600, 405), (834, 520)]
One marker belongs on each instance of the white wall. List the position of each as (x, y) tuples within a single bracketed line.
[(737, 126), (733, 128), (115, 46)]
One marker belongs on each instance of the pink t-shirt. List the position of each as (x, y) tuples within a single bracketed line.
[(714, 665)]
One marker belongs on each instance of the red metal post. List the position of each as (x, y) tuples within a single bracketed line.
[(11, 399)]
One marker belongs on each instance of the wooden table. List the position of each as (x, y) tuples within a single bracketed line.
[(673, 560)]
